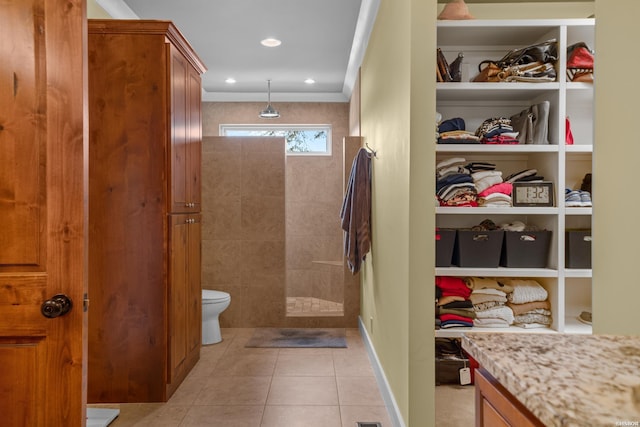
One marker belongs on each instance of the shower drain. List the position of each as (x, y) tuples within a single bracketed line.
[(375, 424)]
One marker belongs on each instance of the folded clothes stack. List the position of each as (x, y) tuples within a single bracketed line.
[(489, 298), (453, 308), (529, 303), (453, 131), (454, 184)]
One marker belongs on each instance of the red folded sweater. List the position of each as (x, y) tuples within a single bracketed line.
[(447, 316), (453, 286)]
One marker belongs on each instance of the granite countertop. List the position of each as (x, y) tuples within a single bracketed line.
[(565, 380)]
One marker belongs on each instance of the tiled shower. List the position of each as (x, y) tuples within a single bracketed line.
[(271, 226)]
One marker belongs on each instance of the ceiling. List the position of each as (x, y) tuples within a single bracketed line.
[(323, 40)]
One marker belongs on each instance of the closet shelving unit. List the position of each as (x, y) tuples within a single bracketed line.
[(564, 165)]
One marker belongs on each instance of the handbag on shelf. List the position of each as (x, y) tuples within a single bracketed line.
[(532, 63), (446, 72), (580, 63), (455, 68), (442, 67), (568, 135), (532, 124), (489, 74)]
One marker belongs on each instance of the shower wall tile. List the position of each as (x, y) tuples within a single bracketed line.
[(262, 173), (221, 261), (262, 257), (302, 251), (313, 219), (252, 264), (262, 218), (223, 218), (221, 173)]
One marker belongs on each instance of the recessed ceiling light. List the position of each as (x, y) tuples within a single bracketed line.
[(309, 81), (230, 80), (270, 42)]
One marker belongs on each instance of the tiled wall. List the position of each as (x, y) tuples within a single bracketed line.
[(313, 245), (243, 241)]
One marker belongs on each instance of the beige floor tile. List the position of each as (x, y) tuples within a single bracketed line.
[(297, 365), (455, 405), (304, 351), (362, 391), (350, 364), (301, 416), (189, 390), (234, 391), (303, 391), (246, 365), (352, 414), (149, 415), (223, 416), (224, 390)]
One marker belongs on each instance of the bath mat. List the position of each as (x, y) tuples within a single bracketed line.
[(298, 338)]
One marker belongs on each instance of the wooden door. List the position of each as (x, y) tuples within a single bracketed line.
[(43, 212)]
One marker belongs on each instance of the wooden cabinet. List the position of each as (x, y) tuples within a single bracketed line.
[(185, 293), (144, 162), (496, 407)]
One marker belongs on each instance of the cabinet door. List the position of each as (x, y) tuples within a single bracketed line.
[(186, 135), (184, 297), (496, 407), (194, 142), (177, 298), (194, 291)]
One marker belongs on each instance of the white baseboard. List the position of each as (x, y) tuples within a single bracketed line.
[(383, 384)]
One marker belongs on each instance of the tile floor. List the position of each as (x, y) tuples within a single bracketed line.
[(309, 306), (233, 386)]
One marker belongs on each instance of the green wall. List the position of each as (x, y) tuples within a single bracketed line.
[(616, 207), (397, 120), (385, 96)]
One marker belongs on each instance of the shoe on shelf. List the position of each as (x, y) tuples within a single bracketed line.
[(585, 199), (585, 317), (572, 198)]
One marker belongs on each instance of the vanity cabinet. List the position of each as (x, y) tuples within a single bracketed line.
[(496, 407), (144, 202)]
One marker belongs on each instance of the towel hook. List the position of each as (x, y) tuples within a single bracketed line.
[(373, 152)]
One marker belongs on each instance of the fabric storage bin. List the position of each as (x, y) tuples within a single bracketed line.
[(448, 370), (577, 249), (445, 240), (478, 248), (525, 249)]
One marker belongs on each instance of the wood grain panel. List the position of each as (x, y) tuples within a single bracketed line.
[(127, 229), (20, 389), (496, 407), (22, 138)]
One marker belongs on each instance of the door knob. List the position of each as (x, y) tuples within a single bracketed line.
[(58, 305)]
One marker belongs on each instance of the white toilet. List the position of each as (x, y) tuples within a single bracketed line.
[(213, 303)]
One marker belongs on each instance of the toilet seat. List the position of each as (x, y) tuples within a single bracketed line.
[(210, 296)]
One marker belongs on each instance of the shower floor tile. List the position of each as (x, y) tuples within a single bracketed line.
[(309, 306)]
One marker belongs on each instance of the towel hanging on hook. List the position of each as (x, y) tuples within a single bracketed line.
[(373, 152)]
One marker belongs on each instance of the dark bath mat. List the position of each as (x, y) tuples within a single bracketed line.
[(298, 338)]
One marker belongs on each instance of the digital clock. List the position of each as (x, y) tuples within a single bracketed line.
[(529, 194)]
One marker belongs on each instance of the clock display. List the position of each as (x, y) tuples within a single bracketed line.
[(532, 194)]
